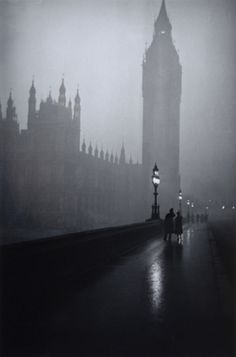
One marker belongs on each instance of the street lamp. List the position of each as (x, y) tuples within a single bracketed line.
[(192, 214), (156, 181), (188, 213), (180, 201)]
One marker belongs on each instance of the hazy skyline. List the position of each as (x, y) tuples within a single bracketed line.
[(99, 46)]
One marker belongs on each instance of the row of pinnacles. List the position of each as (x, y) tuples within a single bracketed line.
[(56, 112), (50, 179)]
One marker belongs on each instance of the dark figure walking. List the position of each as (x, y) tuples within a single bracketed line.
[(169, 224), (179, 226)]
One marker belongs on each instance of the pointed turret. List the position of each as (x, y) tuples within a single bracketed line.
[(102, 154), (62, 94), (10, 108), (49, 98), (77, 107), (76, 117), (10, 101), (122, 155), (162, 24), (31, 105), (83, 146), (32, 90), (77, 98)]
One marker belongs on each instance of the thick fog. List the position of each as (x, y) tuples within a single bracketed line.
[(98, 46)]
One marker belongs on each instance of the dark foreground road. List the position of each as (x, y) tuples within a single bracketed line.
[(160, 299)]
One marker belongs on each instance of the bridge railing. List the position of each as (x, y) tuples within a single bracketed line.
[(72, 254)]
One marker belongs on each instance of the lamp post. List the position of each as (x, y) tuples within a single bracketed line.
[(156, 181), (206, 213), (233, 215), (180, 201), (188, 212), (192, 214)]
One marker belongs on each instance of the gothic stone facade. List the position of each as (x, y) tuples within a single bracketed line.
[(48, 179)]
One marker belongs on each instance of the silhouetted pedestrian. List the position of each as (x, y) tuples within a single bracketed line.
[(198, 218), (179, 226), (169, 224)]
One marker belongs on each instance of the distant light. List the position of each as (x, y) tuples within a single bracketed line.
[(206, 207), (188, 202), (180, 195), (233, 207), (223, 207), (192, 205), (163, 32)]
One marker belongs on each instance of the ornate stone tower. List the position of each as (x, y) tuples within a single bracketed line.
[(62, 94), (162, 76), (31, 106)]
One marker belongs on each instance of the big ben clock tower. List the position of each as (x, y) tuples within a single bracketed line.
[(162, 77)]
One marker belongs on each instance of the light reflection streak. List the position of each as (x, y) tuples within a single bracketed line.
[(188, 235), (155, 280)]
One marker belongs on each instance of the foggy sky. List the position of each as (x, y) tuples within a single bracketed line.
[(99, 44)]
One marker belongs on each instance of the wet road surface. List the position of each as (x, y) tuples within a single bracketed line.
[(159, 299)]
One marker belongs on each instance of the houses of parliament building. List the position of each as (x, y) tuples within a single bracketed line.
[(49, 178)]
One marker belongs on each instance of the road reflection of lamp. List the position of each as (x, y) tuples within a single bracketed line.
[(156, 181), (155, 282), (180, 201)]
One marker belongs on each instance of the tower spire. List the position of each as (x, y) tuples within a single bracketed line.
[(162, 23), (122, 154), (77, 107), (76, 117), (62, 94), (31, 105), (10, 108)]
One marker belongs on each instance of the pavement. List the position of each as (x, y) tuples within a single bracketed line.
[(158, 299)]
